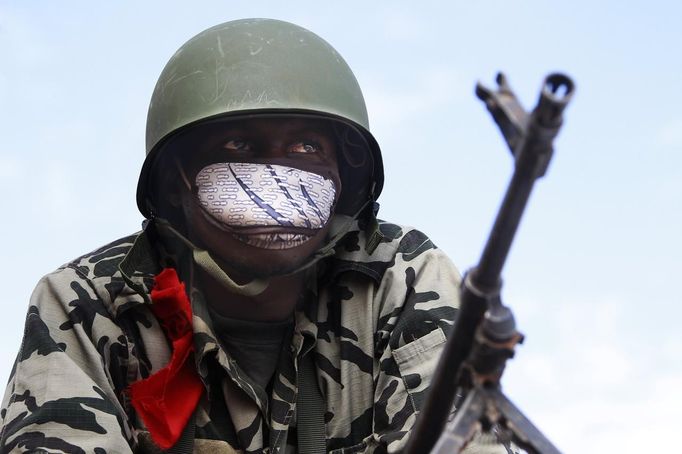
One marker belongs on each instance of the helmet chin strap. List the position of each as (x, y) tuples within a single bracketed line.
[(204, 260), (341, 224)]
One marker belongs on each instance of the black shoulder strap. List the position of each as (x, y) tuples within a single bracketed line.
[(185, 444), (309, 410)]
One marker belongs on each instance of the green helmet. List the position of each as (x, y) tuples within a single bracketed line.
[(259, 66)]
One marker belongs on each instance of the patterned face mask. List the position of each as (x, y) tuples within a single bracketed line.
[(265, 195)]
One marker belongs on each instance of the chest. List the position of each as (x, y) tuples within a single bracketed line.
[(236, 412)]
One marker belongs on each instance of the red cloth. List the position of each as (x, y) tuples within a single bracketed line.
[(166, 400)]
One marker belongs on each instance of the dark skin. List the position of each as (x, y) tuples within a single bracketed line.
[(304, 143)]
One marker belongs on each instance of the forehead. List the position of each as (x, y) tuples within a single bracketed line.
[(262, 127)]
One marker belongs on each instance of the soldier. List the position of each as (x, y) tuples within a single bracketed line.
[(263, 308)]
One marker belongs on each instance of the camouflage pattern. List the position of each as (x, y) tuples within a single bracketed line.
[(375, 323)]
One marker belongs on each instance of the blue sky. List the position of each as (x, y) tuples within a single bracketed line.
[(592, 276)]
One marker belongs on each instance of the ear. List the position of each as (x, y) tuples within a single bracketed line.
[(175, 199), (181, 186)]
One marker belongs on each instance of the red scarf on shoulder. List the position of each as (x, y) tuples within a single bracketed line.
[(166, 400)]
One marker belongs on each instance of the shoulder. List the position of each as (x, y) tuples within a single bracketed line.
[(103, 261), (400, 246), (417, 286), (93, 277), (415, 283), (77, 310), (76, 358)]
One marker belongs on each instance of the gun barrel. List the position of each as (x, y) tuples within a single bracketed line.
[(482, 283), (532, 158)]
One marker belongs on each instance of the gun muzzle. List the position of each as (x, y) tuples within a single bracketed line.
[(556, 92), (535, 150)]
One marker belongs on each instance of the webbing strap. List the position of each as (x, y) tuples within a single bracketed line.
[(309, 410), (206, 262), (185, 444)]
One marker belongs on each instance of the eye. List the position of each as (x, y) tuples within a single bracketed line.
[(237, 145), (304, 146)]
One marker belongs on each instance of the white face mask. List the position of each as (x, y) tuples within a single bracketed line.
[(244, 195)]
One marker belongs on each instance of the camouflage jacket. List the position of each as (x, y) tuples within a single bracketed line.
[(376, 324)]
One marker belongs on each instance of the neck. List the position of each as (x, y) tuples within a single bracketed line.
[(277, 302)]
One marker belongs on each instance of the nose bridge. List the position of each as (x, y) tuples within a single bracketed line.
[(272, 139), (272, 147)]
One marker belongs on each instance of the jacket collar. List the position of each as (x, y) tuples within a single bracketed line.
[(137, 269), (145, 259)]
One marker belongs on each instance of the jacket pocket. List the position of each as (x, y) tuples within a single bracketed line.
[(360, 447), (417, 361)]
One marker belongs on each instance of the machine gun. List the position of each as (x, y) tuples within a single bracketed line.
[(484, 335)]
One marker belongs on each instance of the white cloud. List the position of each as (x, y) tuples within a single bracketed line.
[(645, 420), (58, 191), (594, 384), (670, 133), (21, 41), (389, 105), (10, 168), (400, 25)]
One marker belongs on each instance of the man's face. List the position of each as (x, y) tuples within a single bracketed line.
[(298, 148)]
